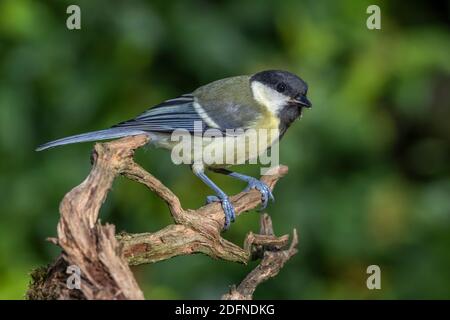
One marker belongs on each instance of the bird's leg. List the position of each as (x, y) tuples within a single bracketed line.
[(220, 195), (253, 183)]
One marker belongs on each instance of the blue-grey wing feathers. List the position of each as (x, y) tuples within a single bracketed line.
[(184, 112), (168, 116), (112, 133), (178, 113)]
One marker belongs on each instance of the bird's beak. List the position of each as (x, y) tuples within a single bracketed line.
[(301, 100)]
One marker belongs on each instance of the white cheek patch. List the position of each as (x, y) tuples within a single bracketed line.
[(268, 97)]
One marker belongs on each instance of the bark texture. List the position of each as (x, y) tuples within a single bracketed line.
[(93, 254)]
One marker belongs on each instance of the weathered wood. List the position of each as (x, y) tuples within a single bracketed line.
[(103, 258)]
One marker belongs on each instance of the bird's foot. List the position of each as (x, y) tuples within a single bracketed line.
[(211, 199), (227, 207), (266, 193)]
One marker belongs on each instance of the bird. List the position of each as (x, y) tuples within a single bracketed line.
[(269, 100)]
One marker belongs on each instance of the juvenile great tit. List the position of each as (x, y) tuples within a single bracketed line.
[(268, 100)]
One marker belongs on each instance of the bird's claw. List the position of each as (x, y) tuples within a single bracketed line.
[(211, 199), (266, 193), (227, 207), (229, 212)]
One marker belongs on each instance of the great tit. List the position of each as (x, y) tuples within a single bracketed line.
[(270, 99)]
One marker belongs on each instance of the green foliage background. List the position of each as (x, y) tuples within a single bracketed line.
[(369, 164)]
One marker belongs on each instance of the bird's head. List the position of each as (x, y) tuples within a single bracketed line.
[(279, 89)]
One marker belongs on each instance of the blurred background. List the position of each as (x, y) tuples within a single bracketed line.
[(369, 179)]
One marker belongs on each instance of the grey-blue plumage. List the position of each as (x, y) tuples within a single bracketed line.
[(106, 134), (199, 110), (166, 117)]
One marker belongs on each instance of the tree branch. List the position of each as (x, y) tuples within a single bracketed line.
[(103, 258), (273, 259)]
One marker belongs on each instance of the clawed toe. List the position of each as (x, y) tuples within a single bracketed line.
[(229, 212), (211, 199), (266, 193), (228, 209)]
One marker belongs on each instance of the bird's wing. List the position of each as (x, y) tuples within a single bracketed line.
[(186, 112), (228, 103), (178, 113)]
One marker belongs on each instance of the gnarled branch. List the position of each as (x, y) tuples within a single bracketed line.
[(270, 249), (103, 258)]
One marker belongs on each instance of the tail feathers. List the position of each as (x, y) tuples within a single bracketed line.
[(112, 133)]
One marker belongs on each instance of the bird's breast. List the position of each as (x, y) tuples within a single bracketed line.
[(224, 150)]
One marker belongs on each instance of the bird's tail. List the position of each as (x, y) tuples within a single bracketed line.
[(111, 133)]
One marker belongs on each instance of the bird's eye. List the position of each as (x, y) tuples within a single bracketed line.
[(281, 87)]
